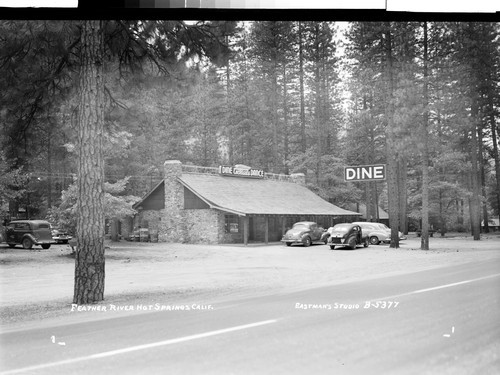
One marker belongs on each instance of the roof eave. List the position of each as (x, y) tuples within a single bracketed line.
[(210, 204), (137, 204)]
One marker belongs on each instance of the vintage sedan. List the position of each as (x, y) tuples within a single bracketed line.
[(304, 232), (374, 232), (377, 232), (400, 234), (60, 235), (28, 233), (347, 234)]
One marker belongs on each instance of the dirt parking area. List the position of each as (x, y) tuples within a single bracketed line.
[(37, 284)]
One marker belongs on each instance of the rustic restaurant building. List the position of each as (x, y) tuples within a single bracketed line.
[(230, 205)]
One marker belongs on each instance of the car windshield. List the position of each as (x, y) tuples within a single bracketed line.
[(341, 228), (367, 227), (300, 226)]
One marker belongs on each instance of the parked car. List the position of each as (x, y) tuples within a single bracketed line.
[(346, 234), (28, 233), (383, 226), (60, 235), (304, 232), (377, 232)]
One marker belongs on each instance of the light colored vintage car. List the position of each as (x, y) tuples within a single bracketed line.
[(377, 232), (305, 233)]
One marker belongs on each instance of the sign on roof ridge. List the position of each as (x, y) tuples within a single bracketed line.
[(241, 171)]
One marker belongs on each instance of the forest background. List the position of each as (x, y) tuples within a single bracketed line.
[(284, 96)]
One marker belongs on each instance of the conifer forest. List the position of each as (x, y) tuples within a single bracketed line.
[(104, 104)]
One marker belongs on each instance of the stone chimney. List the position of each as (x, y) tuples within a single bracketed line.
[(173, 219), (298, 178)]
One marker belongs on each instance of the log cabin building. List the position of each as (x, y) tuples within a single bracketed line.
[(230, 205)]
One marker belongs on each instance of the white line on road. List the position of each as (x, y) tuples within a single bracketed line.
[(139, 347), (442, 286)]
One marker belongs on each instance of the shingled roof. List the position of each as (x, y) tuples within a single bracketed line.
[(246, 196)]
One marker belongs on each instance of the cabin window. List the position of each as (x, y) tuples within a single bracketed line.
[(22, 226), (232, 224)]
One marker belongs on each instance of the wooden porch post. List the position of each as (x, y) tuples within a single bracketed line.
[(266, 230), (245, 230)]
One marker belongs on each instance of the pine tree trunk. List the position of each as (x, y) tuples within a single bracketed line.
[(49, 167), (424, 240), (114, 228), (286, 141), (303, 144), (276, 163), (228, 111), (372, 200), (483, 179), (89, 262), (392, 157), (402, 179), (495, 150), (317, 103), (475, 202)]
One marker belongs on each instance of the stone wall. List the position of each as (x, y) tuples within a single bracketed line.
[(149, 219), (298, 178), (223, 236), (201, 226)]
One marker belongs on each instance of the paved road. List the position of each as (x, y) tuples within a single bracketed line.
[(442, 321)]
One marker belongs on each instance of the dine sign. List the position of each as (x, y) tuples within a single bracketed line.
[(365, 173)]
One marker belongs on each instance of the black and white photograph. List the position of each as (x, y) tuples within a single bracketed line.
[(225, 187)]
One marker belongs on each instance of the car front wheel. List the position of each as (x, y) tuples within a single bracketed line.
[(374, 240), (288, 243), (352, 244), (27, 244), (45, 247), (307, 241), (332, 247)]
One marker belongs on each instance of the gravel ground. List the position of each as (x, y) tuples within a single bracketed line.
[(38, 284)]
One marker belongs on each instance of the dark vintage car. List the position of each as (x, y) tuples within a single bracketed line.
[(28, 233), (60, 235), (347, 234), (304, 232)]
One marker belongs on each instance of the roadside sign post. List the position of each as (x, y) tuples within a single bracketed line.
[(369, 173)]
